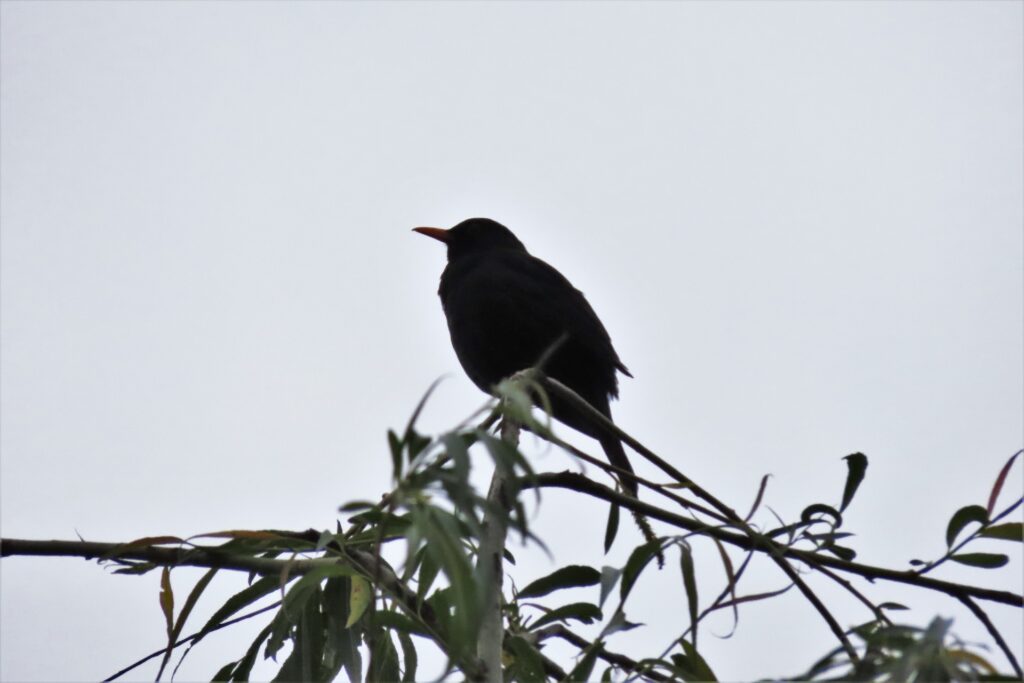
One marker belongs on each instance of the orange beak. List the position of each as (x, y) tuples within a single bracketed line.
[(439, 234)]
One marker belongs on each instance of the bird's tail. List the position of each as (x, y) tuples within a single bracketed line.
[(616, 455)]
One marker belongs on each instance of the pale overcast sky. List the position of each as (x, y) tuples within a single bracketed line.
[(801, 224)]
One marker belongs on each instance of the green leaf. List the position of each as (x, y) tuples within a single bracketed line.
[(527, 665), (167, 607), (612, 527), (238, 601), (963, 517), (224, 673), (689, 583), (304, 661), (409, 658), (186, 610), (573, 576), (383, 658), (395, 445), (856, 466), (584, 669), (892, 606), (341, 648), (398, 622), (983, 560), (691, 664), (244, 666), (580, 611), (638, 559), (360, 596), (1011, 531), (841, 551)]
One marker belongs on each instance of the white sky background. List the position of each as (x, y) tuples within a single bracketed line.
[(801, 224)]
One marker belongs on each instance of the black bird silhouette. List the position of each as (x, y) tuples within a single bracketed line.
[(507, 309)]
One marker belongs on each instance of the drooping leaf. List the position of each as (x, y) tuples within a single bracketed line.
[(383, 658), (963, 517), (244, 667), (983, 560), (580, 611), (689, 584), (611, 529), (409, 657), (691, 664), (638, 559), (360, 596), (341, 646), (186, 610), (304, 661), (573, 576), (167, 607), (856, 467)]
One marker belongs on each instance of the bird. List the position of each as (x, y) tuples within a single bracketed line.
[(507, 310)]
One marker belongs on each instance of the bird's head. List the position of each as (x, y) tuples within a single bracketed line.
[(474, 235)]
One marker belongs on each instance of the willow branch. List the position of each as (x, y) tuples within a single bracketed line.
[(579, 483)]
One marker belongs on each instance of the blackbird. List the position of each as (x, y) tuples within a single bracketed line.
[(508, 310)]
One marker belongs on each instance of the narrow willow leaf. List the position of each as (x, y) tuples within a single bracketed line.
[(892, 606), (224, 673), (244, 667), (841, 551), (691, 664), (409, 657), (585, 667), (304, 661), (638, 559), (341, 648), (856, 466), (383, 658), (998, 485), (186, 610), (395, 445), (983, 560), (963, 517), (573, 576), (1011, 531), (360, 596), (611, 529), (689, 584), (167, 607), (398, 622), (758, 497), (580, 611)]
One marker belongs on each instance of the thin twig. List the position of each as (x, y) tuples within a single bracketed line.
[(994, 632)]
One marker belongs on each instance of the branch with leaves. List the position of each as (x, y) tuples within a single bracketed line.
[(420, 567)]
